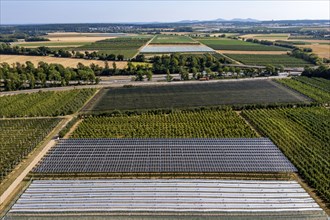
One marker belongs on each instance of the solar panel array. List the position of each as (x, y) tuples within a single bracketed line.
[(164, 155), (164, 195)]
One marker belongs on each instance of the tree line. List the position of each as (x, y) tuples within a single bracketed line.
[(28, 76), (321, 71), (46, 51)]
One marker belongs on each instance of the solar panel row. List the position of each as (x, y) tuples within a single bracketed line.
[(165, 155)]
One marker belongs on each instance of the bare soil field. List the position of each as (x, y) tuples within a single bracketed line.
[(311, 41), (67, 62), (251, 52)]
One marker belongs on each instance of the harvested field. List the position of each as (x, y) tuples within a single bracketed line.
[(251, 52), (270, 37), (67, 62), (195, 95), (322, 50), (80, 37)]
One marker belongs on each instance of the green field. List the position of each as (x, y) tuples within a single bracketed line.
[(123, 45), (303, 136), (265, 59), (319, 95), (231, 44), (193, 95), (172, 39), (320, 83), (53, 44), (199, 124), (126, 53), (44, 103), (18, 137)]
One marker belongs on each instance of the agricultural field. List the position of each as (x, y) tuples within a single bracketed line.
[(44, 103), (124, 45), (200, 124), (177, 48), (172, 39), (230, 44), (317, 82), (320, 49), (265, 59), (18, 137), (68, 39), (314, 90), (66, 62), (194, 95), (303, 136), (252, 52), (51, 44), (270, 37)]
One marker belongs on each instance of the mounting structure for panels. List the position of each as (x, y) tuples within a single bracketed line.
[(241, 155)]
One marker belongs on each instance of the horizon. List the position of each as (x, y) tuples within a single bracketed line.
[(130, 12)]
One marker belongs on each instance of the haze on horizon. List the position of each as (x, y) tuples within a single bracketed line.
[(51, 11)]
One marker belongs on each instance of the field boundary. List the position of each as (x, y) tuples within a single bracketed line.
[(22, 169)]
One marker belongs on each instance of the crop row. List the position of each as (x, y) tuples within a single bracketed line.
[(202, 124), (303, 136), (18, 137), (123, 43), (319, 83), (265, 59), (227, 44), (44, 103), (172, 39), (318, 95)]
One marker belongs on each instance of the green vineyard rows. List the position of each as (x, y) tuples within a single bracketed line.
[(18, 137), (319, 83), (202, 124), (44, 103), (303, 135), (319, 95), (265, 59)]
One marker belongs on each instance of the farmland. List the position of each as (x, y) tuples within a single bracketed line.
[(303, 136), (319, 83), (178, 48), (270, 37), (51, 44), (172, 39), (210, 124), (230, 44), (19, 137), (322, 50), (265, 59), (313, 89), (194, 95), (44, 103), (66, 62), (124, 45)]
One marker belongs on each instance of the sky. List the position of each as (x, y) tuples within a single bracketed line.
[(109, 11)]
